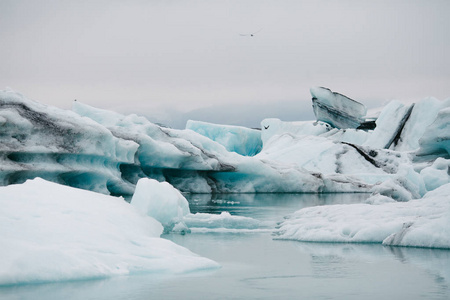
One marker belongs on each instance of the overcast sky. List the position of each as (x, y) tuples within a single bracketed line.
[(170, 60)]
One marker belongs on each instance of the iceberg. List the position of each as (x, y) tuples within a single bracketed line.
[(60, 146), (108, 152), (192, 162), (50, 232), (417, 223), (390, 124), (423, 114), (161, 201), (336, 109)]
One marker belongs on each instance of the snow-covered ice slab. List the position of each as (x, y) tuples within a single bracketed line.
[(417, 223), (50, 232)]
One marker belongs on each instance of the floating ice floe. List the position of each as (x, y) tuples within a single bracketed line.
[(417, 223), (225, 222), (167, 205), (51, 232), (160, 201)]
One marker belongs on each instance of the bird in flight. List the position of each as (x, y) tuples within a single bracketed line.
[(250, 34)]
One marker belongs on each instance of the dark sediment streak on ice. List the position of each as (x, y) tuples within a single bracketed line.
[(395, 138)]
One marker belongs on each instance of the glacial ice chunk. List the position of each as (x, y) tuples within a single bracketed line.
[(108, 152), (430, 226), (42, 141), (167, 205), (418, 223), (242, 140), (336, 109), (194, 163), (225, 222), (390, 124), (437, 174), (423, 115), (436, 140), (161, 201), (50, 232)]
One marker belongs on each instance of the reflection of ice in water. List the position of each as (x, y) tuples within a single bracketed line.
[(251, 213), (333, 260), (435, 261)]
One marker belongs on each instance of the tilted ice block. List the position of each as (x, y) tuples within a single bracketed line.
[(242, 140), (423, 115), (337, 110), (390, 124)]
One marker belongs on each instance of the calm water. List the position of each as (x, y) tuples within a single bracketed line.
[(256, 267)]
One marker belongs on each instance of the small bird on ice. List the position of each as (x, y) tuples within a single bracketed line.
[(250, 34)]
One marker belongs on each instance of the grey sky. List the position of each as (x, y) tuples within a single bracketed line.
[(170, 59)]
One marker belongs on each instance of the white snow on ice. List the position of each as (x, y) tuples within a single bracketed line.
[(161, 201), (419, 223), (51, 232)]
